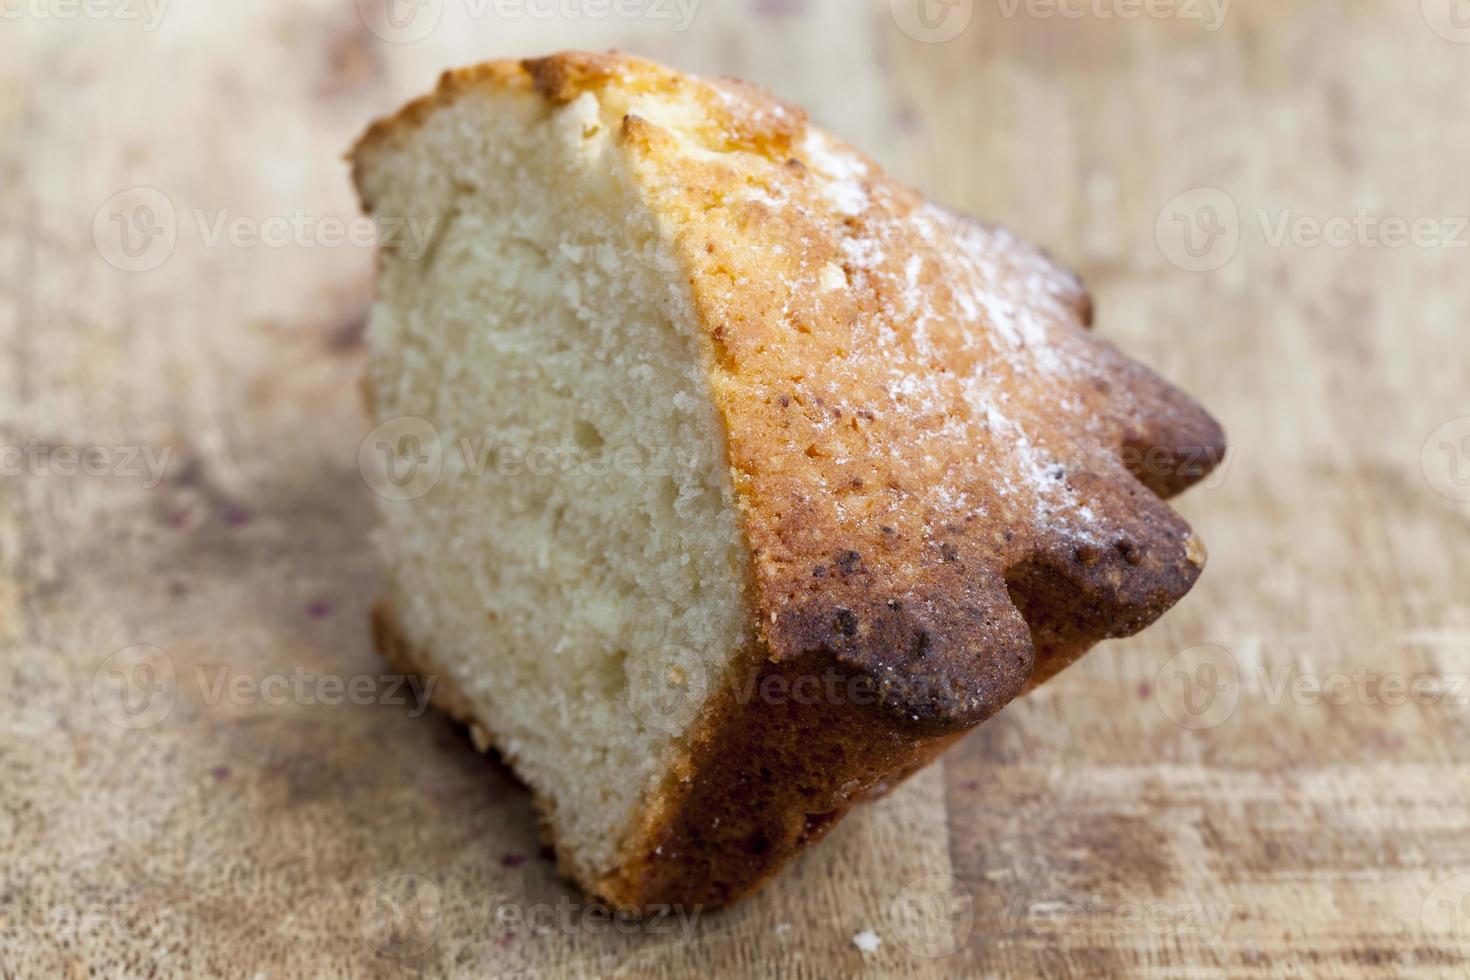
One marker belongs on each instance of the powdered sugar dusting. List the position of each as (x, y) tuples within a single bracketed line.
[(1039, 477), (936, 356), (844, 171), (998, 295), (865, 253)]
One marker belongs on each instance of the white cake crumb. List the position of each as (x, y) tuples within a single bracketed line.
[(868, 941)]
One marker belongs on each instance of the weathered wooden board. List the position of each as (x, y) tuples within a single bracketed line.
[(1271, 782)]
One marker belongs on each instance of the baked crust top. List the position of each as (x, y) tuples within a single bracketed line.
[(948, 483)]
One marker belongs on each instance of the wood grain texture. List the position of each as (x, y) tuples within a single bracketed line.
[(1159, 809)]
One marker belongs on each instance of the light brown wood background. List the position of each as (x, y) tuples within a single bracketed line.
[(1157, 810)]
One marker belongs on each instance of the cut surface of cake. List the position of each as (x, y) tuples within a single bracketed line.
[(757, 479)]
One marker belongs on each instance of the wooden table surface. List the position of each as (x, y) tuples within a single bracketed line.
[(1268, 198)]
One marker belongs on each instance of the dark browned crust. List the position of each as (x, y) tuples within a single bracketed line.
[(863, 564), (786, 752)]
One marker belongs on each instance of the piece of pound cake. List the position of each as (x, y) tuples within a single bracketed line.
[(744, 481)]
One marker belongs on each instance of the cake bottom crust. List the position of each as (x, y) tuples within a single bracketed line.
[(783, 751)]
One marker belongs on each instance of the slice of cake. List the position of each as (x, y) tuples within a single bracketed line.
[(755, 480)]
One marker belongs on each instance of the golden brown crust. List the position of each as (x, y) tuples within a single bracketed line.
[(950, 487), (400, 125), (932, 454), (740, 115)]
